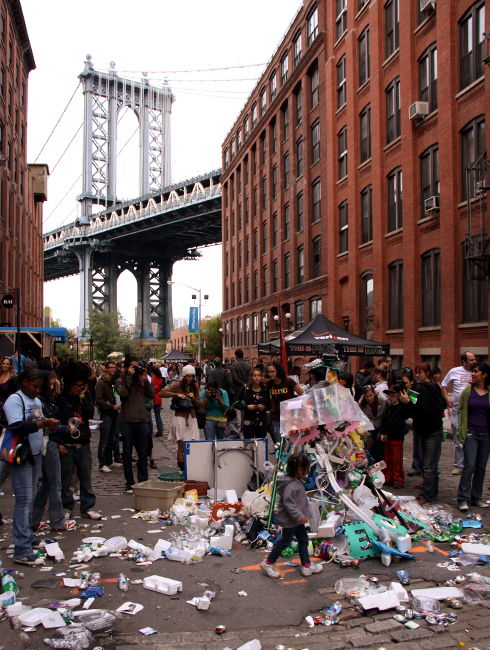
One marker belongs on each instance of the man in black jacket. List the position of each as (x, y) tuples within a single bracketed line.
[(220, 375), (363, 378), (393, 430), (427, 421), (106, 403)]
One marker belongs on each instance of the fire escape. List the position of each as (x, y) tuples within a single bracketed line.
[(477, 241)]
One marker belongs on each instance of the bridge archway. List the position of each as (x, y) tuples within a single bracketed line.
[(128, 151)]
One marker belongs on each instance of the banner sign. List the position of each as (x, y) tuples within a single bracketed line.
[(193, 320)]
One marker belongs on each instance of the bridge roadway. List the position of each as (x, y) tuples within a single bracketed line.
[(145, 236)]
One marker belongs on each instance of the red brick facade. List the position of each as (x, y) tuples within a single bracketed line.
[(393, 273), (22, 186)]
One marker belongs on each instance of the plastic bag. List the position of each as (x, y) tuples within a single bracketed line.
[(425, 604), (475, 592), (298, 413), (355, 587), (364, 497), (255, 504), (336, 404)]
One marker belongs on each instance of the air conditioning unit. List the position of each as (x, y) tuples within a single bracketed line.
[(427, 6), (432, 205), (480, 187), (419, 110)]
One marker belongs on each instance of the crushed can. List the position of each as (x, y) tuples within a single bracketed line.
[(403, 577)]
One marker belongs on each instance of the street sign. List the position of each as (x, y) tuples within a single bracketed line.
[(193, 319), (8, 301), (202, 330)]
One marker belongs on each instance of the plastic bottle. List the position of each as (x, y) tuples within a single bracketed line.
[(219, 551), (123, 583), (9, 584), (70, 643), (430, 546)]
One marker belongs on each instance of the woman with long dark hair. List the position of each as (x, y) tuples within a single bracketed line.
[(173, 374), (474, 435), (24, 414), (255, 401), (280, 388)]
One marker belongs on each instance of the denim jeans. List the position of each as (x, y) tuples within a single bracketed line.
[(458, 447), (416, 460), (285, 540), (276, 436), (135, 434), (254, 431), (108, 433), (81, 458), (50, 488), (476, 451), (158, 419), (212, 431), (24, 483), (430, 452)]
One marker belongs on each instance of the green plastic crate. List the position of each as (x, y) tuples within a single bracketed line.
[(172, 477)]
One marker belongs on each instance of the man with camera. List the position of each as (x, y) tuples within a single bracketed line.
[(132, 387), (215, 401)]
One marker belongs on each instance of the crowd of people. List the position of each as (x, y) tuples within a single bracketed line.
[(52, 405)]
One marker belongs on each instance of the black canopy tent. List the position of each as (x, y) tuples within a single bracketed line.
[(176, 356), (321, 336)]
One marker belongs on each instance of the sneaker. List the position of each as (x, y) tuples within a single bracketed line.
[(91, 514), (115, 464), (270, 570), (397, 486), (76, 496), (313, 568), (464, 507), (414, 474), (129, 491), (32, 560), (40, 527), (153, 464), (456, 471), (479, 504), (69, 525), (104, 468)]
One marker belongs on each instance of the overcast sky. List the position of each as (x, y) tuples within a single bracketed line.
[(162, 37)]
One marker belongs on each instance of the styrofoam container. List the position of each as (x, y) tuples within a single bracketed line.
[(162, 585), (7, 598), (157, 494), (115, 544), (178, 555)]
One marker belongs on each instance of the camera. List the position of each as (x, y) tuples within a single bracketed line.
[(398, 386), (214, 394), (138, 370)]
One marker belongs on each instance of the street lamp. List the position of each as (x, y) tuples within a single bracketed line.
[(198, 314), (288, 317)]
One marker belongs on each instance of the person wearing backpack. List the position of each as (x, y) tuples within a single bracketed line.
[(427, 421)]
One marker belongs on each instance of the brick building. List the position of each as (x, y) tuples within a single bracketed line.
[(23, 187), (313, 172), (179, 339)]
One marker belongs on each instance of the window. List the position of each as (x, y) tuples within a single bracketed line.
[(264, 324), (365, 120), (366, 304), (299, 314), (247, 176), (256, 285), (11, 52), (431, 288), (287, 272), (254, 114), (240, 255), (239, 292), (22, 181), (274, 229), (239, 178), (341, 20), (239, 332), (2, 140), (299, 158), (264, 192), (227, 162), (247, 209), (23, 95), (226, 229), (285, 113), (429, 175), (226, 264), (299, 106), (239, 217), (392, 21), (316, 197), (264, 237), (342, 140), (297, 49), (247, 289), (232, 185), (233, 223), (284, 68), (395, 271), (364, 56), (274, 182), (232, 148), (275, 276), (255, 329), (233, 260), (315, 142), (420, 14), (472, 44), (246, 327), (393, 122), (254, 160), (9, 156), (264, 278), (366, 215), (238, 139), (317, 257), (233, 295), (255, 244), (286, 170), (315, 85), (395, 204), (10, 102), (286, 221), (273, 85), (227, 335), (245, 128), (428, 77), (475, 294), (361, 3), (263, 143), (341, 82), (2, 28), (255, 201), (274, 137), (472, 146), (232, 338), (247, 250), (301, 265), (312, 26), (315, 307), (343, 227), (263, 101), (299, 203)]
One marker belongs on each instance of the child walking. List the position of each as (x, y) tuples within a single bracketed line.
[(292, 515), (393, 430)]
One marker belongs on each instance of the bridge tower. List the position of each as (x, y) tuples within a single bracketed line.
[(105, 95)]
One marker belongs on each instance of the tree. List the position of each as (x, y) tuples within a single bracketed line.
[(161, 349), (64, 350), (213, 338), (104, 329)]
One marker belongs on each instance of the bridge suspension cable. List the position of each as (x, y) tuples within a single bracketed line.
[(59, 120), (67, 147), (164, 72), (53, 211)]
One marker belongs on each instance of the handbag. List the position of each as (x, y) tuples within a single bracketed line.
[(14, 448), (179, 404)]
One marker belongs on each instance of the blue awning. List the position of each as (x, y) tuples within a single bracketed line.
[(58, 333)]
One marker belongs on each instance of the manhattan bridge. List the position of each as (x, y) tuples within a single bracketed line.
[(146, 235)]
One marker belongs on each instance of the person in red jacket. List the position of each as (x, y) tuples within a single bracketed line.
[(156, 377)]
